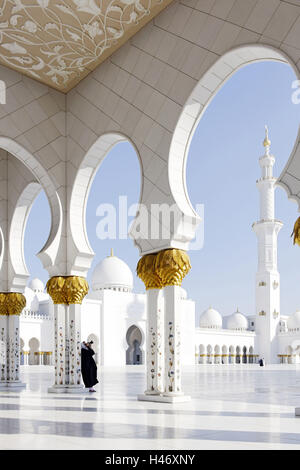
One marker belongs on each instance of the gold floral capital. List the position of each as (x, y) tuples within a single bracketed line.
[(296, 232), (67, 289), (11, 303), (166, 268), (146, 271)]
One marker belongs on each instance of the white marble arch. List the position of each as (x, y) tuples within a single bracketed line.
[(19, 273), (48, 253), (80, 253), (289, 179), (198, 101), (2, 248)]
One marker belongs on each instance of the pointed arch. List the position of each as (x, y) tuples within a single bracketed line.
[(17, 229), (49, 251), (81, 253), (204, 92)]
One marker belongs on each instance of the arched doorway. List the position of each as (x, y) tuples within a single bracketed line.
[(217, 356), (244, 359), (251, 355), (290, 355), (238, 355), (224, 354), (209, 354), (134, 353), (202, 355), (231, 355), (34, 346)]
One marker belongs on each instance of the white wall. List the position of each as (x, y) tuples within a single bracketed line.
[(91, 323), (188, 332)]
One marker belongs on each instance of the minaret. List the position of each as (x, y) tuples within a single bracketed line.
[(267, 277)]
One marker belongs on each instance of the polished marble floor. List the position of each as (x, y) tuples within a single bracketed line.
[(232, 407)]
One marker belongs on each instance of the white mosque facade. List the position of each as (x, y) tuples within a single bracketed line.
[(114, 317)]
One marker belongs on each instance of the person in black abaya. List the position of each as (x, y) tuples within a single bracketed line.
[(88, 366)]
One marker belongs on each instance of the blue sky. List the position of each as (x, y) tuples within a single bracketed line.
[(222, 169)]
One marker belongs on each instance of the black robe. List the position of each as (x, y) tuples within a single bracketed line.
[(88, 368)]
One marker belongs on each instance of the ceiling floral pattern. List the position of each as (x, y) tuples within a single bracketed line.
[(59, 42)]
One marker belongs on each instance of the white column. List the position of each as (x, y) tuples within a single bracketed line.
[(67, 293), (3, 348), (155, 364), (74, 329), (173, 312), (26, 355), (13, 349), (163, 272), (10, 351), (60, 367)]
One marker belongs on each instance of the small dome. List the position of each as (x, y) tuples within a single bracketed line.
[(36, 285), (294, 320), (112, 273), (237, 321), (210, 318), (183, 294)]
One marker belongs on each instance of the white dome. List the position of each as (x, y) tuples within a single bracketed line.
[(112, 273), (36, 285), (183, 294), (294, 320), (211, 318), (237, 321)]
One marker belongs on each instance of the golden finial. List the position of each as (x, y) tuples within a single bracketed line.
[(267, 141), (111, 252)]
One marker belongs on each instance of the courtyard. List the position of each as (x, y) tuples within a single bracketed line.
[(232, 407)]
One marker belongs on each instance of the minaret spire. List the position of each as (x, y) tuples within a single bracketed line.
[(267, 142), (267, 277)]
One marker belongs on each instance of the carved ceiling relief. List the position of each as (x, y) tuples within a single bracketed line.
[(59, 42)]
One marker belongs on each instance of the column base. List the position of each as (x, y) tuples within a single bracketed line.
[(165, 398), (152, 392), (67, 389), (12, 385)]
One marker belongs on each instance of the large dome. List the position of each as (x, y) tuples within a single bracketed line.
[(112, 273), (211, 318), (36, 285), (237, 321)]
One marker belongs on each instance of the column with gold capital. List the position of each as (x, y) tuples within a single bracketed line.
[(11, 306), (162, 274), (67, 293), (76, 289), (154, 344), (172, 266)]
